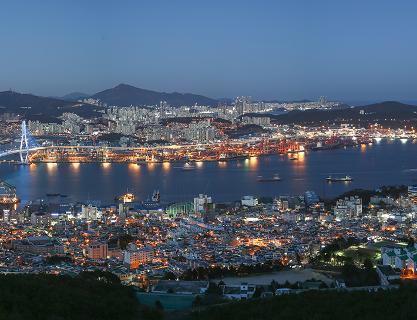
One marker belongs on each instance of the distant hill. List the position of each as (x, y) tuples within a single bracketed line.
[(75, 96), (388, 112), (31, 106), (125, 95)]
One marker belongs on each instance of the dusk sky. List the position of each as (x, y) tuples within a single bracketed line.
[(348, 50)]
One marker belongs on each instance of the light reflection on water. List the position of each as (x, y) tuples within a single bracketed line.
[(370, 166)]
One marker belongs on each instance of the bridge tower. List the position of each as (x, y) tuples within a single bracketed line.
[(24, 145)]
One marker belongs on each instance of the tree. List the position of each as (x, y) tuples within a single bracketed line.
[(63, 297), (197, 301), (368, 265), (258, 292), (170, 276), (98, 275), (158, 305), (214, 289)]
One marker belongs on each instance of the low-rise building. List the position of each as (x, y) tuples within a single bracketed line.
[(38, 245), (249, 201)]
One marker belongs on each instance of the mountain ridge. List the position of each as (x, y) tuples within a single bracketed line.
[(126, 95), (33, 106), (383, 112)]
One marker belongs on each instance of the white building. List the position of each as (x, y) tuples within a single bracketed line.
[(90, 212), (249, 201), (239, 292), (201, 202), (348, 208), (404, 259), (134, 257)]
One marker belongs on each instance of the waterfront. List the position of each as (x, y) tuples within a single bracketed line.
[(371, 166)]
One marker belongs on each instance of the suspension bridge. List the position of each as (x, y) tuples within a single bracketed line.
[(27, 143)]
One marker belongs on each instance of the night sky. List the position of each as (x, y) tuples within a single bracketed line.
[(347, 50)]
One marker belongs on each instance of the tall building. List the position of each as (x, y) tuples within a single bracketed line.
[(243, 105), (348, 208), (89, 212), (134, 257), (202, 202), (97, 250)]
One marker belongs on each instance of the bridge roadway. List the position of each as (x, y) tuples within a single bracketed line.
[(171, 147)]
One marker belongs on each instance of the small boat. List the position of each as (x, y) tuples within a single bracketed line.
[(274, 178), (294, 158), (339, 179), (188, 166)]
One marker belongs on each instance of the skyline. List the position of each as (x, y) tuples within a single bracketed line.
[(192, 160), (348, 52)]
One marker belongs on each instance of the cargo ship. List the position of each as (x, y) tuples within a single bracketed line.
[(326, 146), (228, 157), (339, 179)]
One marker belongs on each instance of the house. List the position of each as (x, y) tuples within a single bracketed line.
[(239, 292), (402, 258)]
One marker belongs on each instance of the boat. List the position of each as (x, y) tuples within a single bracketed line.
[(294, 158), (274, 178), (53, 194), (326, 146), (339, 179), (188, 166)]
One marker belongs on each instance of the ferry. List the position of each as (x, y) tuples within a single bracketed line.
[(339, 179), (274, 178)]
